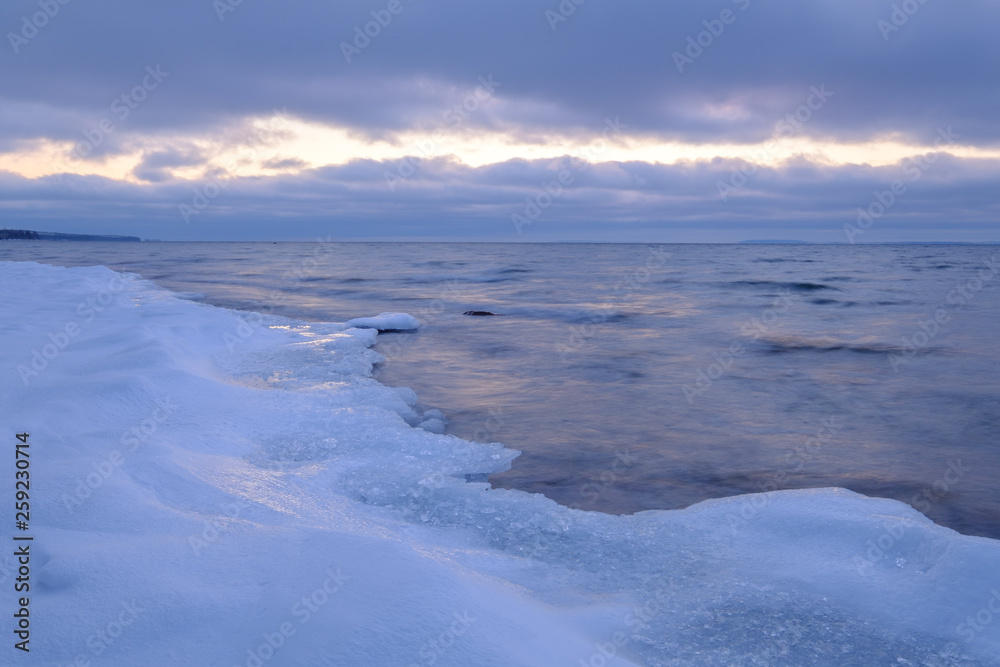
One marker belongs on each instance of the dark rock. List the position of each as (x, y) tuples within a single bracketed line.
[(482, 313)]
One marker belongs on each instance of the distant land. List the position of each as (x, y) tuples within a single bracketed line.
[(779, 241), (29, 235), (772, 241)]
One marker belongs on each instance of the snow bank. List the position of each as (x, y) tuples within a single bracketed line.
[(222, 488), (386, 322)]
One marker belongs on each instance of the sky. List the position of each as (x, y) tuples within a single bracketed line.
[(847, 121)]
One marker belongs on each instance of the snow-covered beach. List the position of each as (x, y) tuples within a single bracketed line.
[(213, 487), (504, 334)]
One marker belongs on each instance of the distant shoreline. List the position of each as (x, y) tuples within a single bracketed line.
[(30, 235)]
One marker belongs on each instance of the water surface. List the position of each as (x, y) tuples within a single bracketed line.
[(637, 377)]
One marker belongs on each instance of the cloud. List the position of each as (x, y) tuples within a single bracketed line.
[(284, 163), (156, 165), (950, 200), (607, 59), (197, 84)]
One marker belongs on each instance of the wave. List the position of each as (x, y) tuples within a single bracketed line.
[(780, 260), (787, 344), (833, 302), (496, 277), (793, 286), (598, 314)]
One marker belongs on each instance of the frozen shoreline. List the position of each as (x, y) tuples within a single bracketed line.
[(247, 494)]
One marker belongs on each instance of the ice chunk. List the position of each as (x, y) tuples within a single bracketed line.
[(386, 322), (433, 425)]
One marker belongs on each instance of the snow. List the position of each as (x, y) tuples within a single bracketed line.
[(214, 487), (386, 322)]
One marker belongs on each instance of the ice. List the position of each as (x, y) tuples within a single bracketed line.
[(386, 322), (433, 425), (433, 420), (213, 487)]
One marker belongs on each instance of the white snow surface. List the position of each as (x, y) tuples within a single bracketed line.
[(386, 322), (212, 487)]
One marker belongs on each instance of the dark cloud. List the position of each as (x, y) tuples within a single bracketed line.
[(155, 165), (950, 199), (284, 163), (606, 59), (121, 76)]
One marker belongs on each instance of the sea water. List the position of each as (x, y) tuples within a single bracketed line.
[(637, 377)]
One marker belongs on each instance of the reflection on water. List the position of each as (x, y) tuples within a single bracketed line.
[(637, 377)]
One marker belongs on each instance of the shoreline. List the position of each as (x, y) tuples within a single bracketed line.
[(248, 462)]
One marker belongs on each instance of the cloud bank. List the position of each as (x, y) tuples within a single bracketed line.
[(406, 119)]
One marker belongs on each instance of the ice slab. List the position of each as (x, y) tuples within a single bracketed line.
[(386, 322)]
